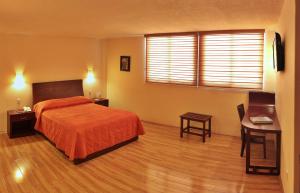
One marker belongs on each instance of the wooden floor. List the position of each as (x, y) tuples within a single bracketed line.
[(160, 161)]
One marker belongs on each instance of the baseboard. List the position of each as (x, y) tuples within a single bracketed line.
[(159, 124), (177, 127), (281, 185)]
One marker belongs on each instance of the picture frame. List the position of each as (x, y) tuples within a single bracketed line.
[(125, 63)]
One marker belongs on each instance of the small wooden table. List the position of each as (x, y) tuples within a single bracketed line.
[(198, 118), (20, 123)]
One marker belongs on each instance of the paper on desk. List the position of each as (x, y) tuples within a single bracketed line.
[(261, 120)]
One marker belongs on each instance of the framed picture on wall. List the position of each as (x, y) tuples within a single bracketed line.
[(125, 63)]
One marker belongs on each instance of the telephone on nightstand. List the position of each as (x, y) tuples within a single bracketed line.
[(26, 109)]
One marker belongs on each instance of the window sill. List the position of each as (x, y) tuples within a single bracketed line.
[(239, 90), (209, 88), (171, 84)]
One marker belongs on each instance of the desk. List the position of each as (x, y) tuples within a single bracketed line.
[(262, 110)]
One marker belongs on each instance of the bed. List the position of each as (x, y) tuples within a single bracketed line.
[(78, 127)]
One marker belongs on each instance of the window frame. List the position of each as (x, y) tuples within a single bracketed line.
[(201, 83), (199, 55), (196, 54)]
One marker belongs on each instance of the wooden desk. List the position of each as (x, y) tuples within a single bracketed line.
[(262, 110)]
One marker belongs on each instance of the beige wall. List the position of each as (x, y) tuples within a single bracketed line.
[(297, 102), (46, 59), (285, 92), (269, 72), (164, 103)]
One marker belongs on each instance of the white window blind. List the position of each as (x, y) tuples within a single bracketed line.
[(233, 59), (172, 58)]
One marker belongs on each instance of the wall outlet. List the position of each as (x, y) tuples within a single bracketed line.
[(18, 103)]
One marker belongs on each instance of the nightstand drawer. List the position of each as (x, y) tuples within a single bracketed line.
[(22, 117)]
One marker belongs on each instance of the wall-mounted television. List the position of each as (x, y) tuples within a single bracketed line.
[(278, 53)]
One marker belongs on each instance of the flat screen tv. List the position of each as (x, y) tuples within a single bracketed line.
[(278, 53)]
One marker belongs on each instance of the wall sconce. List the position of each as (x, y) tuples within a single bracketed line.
[(90, 78), (19, 81)]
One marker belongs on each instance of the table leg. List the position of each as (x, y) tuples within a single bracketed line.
[(278, 151), (203, 137), (209, 127), (188, 125), (248, 134), (181, 127)]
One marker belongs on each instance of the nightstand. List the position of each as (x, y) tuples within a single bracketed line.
[(101, 101), (20, 123)]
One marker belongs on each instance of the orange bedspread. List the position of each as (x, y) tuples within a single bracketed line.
[(79, 127)]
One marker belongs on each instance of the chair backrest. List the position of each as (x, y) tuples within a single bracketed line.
[(241, 111), (259, 97)]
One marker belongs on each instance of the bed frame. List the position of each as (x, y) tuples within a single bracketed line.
[(68, 88)]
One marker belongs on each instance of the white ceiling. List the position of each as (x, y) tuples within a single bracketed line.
[(114, 18)]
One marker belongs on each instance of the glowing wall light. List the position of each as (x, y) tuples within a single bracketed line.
[(19, 81), (90, 78)]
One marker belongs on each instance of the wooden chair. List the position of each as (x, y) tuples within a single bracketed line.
[(256, 138)]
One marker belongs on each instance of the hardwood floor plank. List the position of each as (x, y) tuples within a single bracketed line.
[(160, 161)]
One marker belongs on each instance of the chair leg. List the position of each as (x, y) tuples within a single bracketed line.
[(265, 149), (243, 147)]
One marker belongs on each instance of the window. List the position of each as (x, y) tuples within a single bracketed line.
[(172, 58), (232, 59)]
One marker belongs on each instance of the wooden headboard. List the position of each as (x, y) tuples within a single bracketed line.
[(58, 89)]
